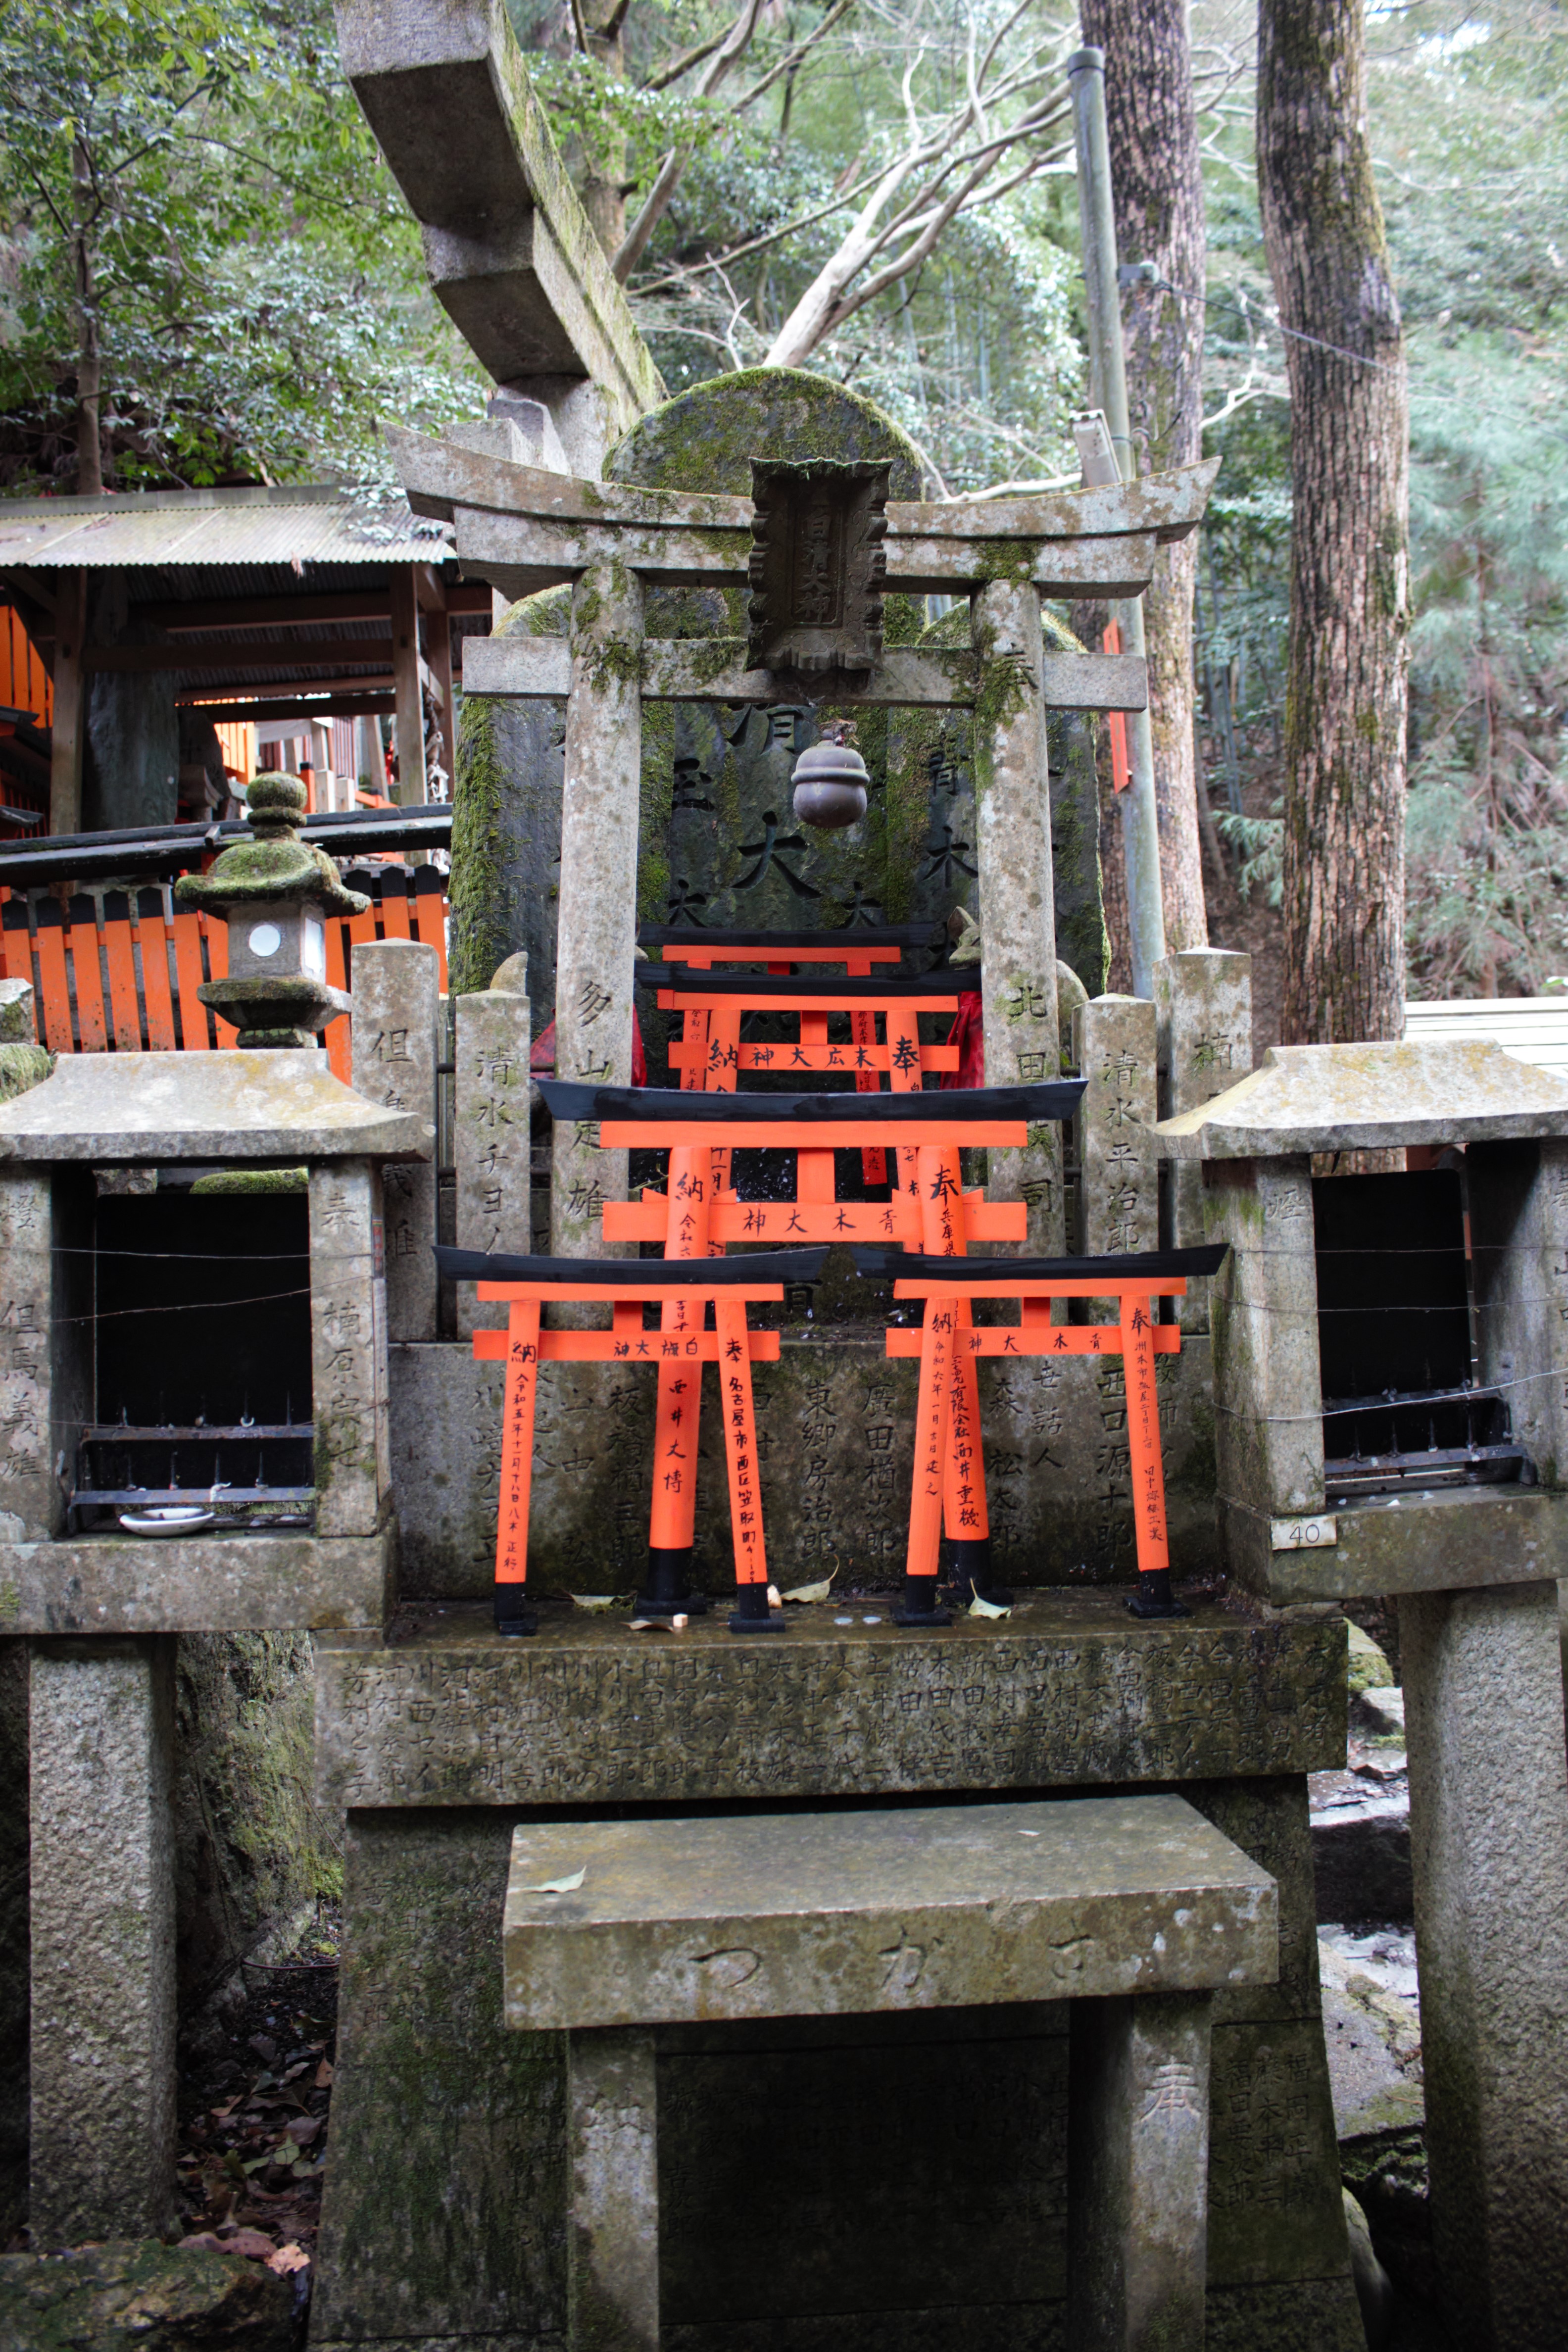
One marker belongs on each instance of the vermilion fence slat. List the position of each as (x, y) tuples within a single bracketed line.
[(152, 937), (120, 955), (194, 1032), (82, 942), (55, 1010)]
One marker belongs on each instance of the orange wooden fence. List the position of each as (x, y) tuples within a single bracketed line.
[(118, 971)]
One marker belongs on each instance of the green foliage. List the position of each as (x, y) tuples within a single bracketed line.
[(1471, 137), (193, 185)]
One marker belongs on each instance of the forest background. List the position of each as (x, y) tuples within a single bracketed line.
[(198, 235)]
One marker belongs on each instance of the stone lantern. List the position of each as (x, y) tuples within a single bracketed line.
[(275, 893)]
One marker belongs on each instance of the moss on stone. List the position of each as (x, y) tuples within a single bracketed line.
[(254, 1179), (22, 1067), (706, 438)]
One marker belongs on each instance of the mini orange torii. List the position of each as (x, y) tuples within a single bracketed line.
[(679, 1350), (947, 1426), (697, 1216), (709, 1053)]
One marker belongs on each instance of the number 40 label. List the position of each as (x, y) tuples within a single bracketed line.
[(1304, 1532)]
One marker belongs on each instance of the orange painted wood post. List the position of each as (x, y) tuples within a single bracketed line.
[(863, 1030), (118, 953), (750, 1613), (215, 940), (968, 1522), (18, 943), (56, 1007), (152, 939), (512, 1616), (92, 1026), (919, 1603), (1153, 1596), (904, 1074), (672, 1518)]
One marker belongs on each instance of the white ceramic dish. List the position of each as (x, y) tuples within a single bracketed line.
[(167, 1520)]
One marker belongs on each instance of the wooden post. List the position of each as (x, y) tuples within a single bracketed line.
[(517, 1468), (69, 731), (409, 725), (438, 658)]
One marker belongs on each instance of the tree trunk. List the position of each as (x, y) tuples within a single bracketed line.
[(1345, 702), (1157, 188), (89, 347)]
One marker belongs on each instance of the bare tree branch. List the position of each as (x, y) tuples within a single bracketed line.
[(673, 169), (788, 63)]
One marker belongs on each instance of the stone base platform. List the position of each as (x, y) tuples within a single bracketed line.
[(897, 2183), (197, 1584)]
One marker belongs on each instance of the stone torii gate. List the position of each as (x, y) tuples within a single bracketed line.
[(818, 545)]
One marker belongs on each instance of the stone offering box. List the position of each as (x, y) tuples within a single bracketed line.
[(1390, 1351), (195, 1315)]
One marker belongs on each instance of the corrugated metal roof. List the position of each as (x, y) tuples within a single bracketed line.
[(312, 524), (1530, 1028)]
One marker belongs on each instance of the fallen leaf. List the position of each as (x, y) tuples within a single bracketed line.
[(653, 1625), (811, 1591), (264, 2046), (592, 1600), (557, 1885), (288, 2259), (221, 2115), (325, 2074), (979, 1607), (237, 2241), (304, 2129)]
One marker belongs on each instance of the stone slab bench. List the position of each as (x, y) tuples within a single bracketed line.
[(1134, 1908)]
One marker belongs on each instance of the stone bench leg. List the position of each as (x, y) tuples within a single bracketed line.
[(103, 2061), (613, 2151), (1489, 1847), (1138, 2173)]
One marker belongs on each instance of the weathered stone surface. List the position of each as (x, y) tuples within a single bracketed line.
[(348, 1350), (1306, 1099), (1267, 1381), (195, 1584), (17, 1022), (794, 1915), (596, 937), (612, 2110), (1138, 2174), (13, 1936), (1488, 1821), (1114, 1049), (508, 245), (836, 1433), (439, 2112), (1414, 1543), (1012, 837), (1203, 1001), (139, 2292), (144, 1107), (506, 827), (30, 1502), (102, 2157), (490, 1138), (1065, 1691), (396, 1000), (1517, 1196)]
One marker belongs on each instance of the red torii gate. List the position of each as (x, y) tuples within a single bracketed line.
[(696, 1217), (946, 1339), (679, 1350)]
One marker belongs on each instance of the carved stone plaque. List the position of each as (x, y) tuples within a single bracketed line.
[(817, 567)]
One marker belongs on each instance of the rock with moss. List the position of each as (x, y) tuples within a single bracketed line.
[(254, 1179), (139, 2292), (21, 1067)]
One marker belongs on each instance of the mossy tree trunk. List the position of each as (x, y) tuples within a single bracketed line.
[(1157, 187), (1345, 705)]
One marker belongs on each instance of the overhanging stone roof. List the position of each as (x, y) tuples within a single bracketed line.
[(146, 1108), (1370, 1097)]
